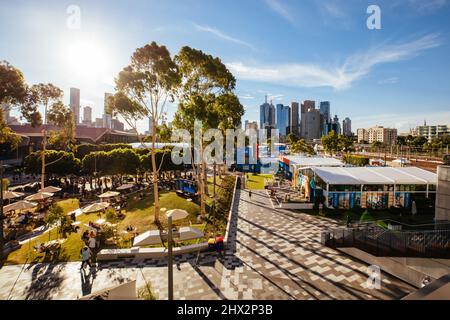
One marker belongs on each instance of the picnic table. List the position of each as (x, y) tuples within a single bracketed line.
[(51, 247)]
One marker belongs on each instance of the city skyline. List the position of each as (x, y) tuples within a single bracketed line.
[(366, 70)]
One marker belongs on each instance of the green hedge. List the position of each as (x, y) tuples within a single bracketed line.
[(359, 161), (84, 149)]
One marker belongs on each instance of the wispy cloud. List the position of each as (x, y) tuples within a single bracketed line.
[(281, 9), (246, 97), (223, 35), (421, 7), (339, 77), (390, 80), (333, 8)]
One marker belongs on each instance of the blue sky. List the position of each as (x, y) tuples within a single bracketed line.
[(291, 50)]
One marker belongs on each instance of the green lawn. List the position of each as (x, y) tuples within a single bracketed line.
[(139, 214), (256, 181)]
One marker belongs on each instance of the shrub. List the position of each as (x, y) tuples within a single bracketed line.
[(359, 161), (366, 216)]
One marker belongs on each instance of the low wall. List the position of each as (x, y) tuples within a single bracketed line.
[(234, 203), (147, 253), (161, 252), (296, 206), (410, 270), (443, 194)]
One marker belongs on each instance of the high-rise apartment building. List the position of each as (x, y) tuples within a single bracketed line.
[(251, 125), (75, 104), (87, 116), (294, 119), (311, 124), (388, 136), (347, 127), (107, 117), (117, 125), (306, 106), (283, 115), (431, 132), (99, 122)]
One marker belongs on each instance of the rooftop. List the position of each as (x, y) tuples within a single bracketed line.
[(305, 161), (375, 175)]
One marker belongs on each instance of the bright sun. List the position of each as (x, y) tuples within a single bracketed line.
[(87, 59)]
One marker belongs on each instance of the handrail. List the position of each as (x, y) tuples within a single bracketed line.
[(418, 243), (404, 224)]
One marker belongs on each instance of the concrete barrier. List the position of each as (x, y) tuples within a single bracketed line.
[(147, 253), (410, 270)]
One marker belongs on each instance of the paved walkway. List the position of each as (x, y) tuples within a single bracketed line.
[(274, 254)]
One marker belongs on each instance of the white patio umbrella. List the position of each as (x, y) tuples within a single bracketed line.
[(19, 205), (50, 189), (11, 195), (39, 196), (95, 207), (177, 214), (109, 194), (125, 187)]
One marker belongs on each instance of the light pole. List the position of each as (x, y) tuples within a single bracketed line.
[(172, 215), (170, 257), (1, 210), (214, 191)]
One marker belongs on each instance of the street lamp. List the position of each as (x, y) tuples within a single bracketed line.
[(172, 215)]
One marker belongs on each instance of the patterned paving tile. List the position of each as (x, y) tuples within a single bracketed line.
[(272, 254)]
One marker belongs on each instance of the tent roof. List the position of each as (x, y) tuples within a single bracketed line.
[(375, 175), (305, 161)]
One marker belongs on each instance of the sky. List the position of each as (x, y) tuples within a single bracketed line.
[(290, 50)]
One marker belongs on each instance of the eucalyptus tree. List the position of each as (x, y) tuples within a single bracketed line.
[(14, 93), (206, 95), (143, 90)]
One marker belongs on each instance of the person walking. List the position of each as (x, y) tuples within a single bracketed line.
[(92, 243), (250, 194), (85, 257)]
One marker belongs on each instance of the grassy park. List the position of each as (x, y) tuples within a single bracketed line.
[(256, 181), (139, 213)]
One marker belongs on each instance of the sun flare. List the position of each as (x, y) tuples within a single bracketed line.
[(87, 58)]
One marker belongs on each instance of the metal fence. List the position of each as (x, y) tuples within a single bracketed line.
[(430, 243)]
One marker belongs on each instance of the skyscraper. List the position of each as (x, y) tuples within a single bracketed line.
[(336, 126), (306, 105), (75, 104), (107, 117), (325, 110), (87, 115), (266, 115), (283, 115), (294, 119), (347, 127), (311, 124)]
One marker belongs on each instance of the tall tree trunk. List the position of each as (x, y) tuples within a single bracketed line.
[(44, 146), (155, 174)]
